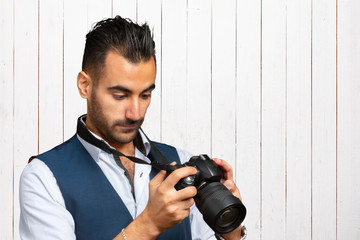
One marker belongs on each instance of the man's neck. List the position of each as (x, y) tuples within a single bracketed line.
[(127, 149)]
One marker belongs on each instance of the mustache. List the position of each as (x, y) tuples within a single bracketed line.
[(129, 122)]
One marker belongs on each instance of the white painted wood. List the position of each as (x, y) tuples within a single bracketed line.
[(273, 120), (298, 120), (50, 74), (348, 131), (174, 77), (198, 95), (126, 8), (97, 11), (248, 108), (25, 91), (223, 80), (233, 82), (150, 12), (324, 120), (75, 29), (7, 119)]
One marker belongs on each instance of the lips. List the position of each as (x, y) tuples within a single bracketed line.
[(128, 126)]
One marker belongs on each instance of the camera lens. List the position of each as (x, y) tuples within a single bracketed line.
[(227, 217), (221, 210)]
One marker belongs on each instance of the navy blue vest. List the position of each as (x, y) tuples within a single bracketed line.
[(98, 211)]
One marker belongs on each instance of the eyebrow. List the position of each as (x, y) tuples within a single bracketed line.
[(123, 89)]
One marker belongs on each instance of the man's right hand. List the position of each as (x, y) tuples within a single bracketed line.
[(166, 206)]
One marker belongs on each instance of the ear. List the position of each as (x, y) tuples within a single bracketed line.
[(84, 84)]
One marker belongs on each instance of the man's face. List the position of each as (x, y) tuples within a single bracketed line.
[(118, 103)]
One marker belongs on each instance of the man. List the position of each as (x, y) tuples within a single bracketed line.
[(89, 187)]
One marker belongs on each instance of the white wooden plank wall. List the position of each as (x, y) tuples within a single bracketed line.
[(324, 120), (271, 86), (348, 125)]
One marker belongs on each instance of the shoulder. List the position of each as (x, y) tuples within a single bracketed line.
[(42, 206), (67, 146), (183, 154), (37, 177), (35, 168)]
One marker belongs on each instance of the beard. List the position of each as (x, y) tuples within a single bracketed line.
[(112, 132)]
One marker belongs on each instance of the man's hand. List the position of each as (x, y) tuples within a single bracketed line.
[(228, 181), (228, 177), (166, 207)]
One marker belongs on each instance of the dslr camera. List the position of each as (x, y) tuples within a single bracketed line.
[(221, 210)]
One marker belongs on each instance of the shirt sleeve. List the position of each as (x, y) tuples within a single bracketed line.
[(199, 228), (43, 214)]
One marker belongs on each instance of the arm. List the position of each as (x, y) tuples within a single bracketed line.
[(43, 213), (166, 206)]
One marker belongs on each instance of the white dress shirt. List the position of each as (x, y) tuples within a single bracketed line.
[(43, 212)]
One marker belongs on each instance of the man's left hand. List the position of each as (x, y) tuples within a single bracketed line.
[(228, 181), (228, 177)]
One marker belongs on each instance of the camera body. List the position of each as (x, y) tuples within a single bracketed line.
[(221, 210), (207, 171)]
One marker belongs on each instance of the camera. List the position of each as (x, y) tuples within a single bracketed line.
[(221, 210)]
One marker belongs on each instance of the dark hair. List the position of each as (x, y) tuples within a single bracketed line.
[(134, 42)]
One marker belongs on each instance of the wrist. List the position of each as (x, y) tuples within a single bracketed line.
[(142, 228), (145, 224), (239, 233)]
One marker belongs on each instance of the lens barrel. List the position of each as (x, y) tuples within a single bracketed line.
[(221, 210)]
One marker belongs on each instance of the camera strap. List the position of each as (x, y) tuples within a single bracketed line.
[(85, 134)]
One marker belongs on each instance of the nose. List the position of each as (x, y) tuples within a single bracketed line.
[(133, 110)]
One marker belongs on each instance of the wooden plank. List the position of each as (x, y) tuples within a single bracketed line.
[(324, 120), (74, 43), (150, 12), (198, 109), (298, 117), (126, 8), (25, 92), (348, 165), (174, 77), (97, 11), (248, 108), (273, 119), (6, 115), (223, 80), (50, 74)]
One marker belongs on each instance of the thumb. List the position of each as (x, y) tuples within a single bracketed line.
[(159, 178)]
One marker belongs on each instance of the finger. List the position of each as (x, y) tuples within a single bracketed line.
[(158, 179), (233, 188), (178, 174), (184, 208), (188, 192), (225, 167), (187, 203)]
